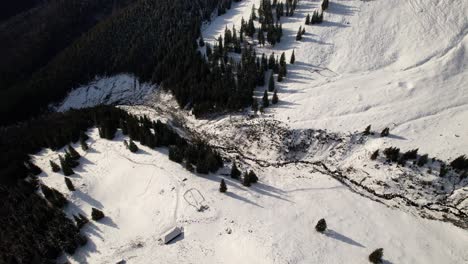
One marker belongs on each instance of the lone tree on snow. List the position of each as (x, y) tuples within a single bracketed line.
[(222, 186), (385, 132), (321, 225), (274, 99), (293, 58), (96, 214), (376, 256), (367, 130)]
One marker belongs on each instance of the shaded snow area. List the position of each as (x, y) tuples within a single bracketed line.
[(118, 89), (397, 64), (144, 194)]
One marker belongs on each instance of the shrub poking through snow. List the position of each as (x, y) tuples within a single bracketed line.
[(235, 172), (376, 256), (374, 155), (222, 186), (253, 177), (367, 130), (55, 167), (385, 132), (422, 160), (321, 225), (80, 220), (96, 214), (132, 146), (392, 153), (69, 184)]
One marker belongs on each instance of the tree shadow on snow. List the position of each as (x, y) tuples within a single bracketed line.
[(243, 199), (335, 235), (108, 222), (341, 9)]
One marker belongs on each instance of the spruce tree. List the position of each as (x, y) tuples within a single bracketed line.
[(321, 225), (271, 84), (283, 59), (132, 146), (222, 186), (275, 99), (235, 173), (67, 170), (376, 256), (324, 5), (253, 177), (367, 130), (246, 180), (293, 58), (265, 100), (69, 184), (307, 21), (83, 144), (73, 153), (55, 167), (252, 14), (96, 214), (299, 34), (385, 132)]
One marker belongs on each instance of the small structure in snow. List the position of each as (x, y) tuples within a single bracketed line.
[(171, 234)]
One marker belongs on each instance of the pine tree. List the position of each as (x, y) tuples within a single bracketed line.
[(307, 22), (303, 32), (253, 177), (96, 214), (55, 167), (246, 180), (376, 256), (69, 184), (265, 100), (283, 59), (275, 99), (293, 58), (222, 186), (374, 155), (324, 5), (67, 170), (132, 146), (83, 144), (235, 173), (73, 153), (367, 130), (299, 34), (385, 132), (271, 84), (321, 226)]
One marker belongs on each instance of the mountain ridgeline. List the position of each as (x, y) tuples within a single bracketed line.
[(156, 40)]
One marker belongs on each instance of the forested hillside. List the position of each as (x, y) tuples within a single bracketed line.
[(157, 40)]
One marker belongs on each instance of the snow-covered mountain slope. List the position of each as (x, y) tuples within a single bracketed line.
[(401, 64), (118, 89), (142, 194)]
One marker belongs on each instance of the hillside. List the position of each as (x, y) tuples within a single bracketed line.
[(399, 65)]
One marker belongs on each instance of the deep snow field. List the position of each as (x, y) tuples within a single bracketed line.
[(142, 194), (398, 64)]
